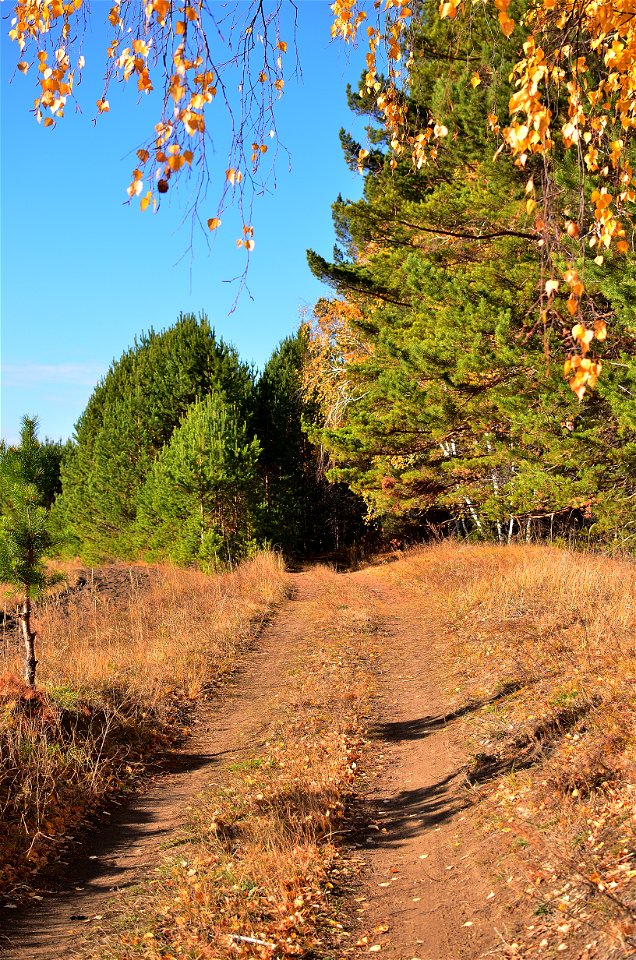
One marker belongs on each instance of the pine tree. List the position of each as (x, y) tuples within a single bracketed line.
[(200, 501), (131, 416), (452, 399), (27, 483)]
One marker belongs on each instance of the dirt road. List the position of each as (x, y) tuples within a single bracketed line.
[(422, 863)]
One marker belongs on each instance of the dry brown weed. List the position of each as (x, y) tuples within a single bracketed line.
[(120, 668)]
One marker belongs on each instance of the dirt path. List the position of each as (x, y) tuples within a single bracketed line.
[(138, 835), (422, 862)]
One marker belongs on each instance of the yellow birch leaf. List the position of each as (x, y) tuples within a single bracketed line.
[(214, 223), (600, 329), (161, 8)]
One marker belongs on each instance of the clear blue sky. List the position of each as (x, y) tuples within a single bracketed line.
[(82, 272)]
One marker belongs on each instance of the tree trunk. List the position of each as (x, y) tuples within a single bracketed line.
[(30, 663)]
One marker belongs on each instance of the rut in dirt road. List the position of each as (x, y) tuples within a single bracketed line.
[(424, 866), (139, 833)]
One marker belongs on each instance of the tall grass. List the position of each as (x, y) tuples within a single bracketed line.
[(117, 675)]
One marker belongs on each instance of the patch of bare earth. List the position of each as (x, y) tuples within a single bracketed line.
[(425, 864)]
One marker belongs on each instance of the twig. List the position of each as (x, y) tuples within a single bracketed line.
[(262, 943)]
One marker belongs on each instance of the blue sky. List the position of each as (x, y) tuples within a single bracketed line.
[(82, 272)]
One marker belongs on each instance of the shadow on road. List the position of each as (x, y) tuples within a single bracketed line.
[(392, 820), (423, 726)]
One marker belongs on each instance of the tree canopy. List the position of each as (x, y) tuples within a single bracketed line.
[(434, 369), (129, 418)]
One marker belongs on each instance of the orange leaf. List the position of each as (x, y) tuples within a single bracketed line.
[(161, 8), (214, 223), (600, 329), (506, 23)]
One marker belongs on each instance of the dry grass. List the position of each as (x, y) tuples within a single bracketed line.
[(256, 878), (541, 651), (121, 665)]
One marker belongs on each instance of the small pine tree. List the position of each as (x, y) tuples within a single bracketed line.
[(25, 482), (202, 494)]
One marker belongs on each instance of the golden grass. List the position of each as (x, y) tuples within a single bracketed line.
[(554, 761), (158, 627), (117, 677), (256, 876)]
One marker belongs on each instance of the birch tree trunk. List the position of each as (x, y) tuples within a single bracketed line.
[(30, 663)]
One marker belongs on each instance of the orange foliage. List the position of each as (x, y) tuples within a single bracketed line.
[(159, 45), (334, 347)]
